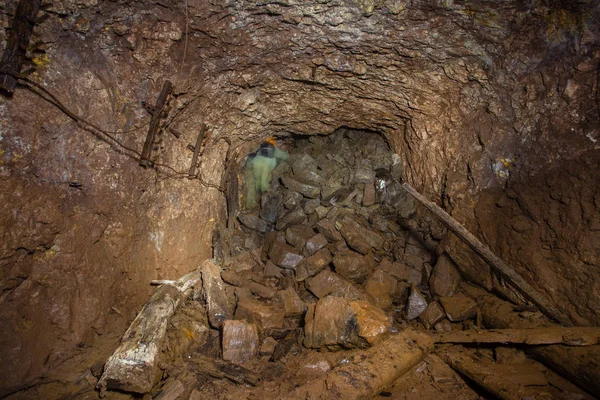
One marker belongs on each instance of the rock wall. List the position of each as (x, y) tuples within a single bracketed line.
[(475, 96)]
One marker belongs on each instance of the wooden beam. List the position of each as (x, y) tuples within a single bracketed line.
[(132, 367), (369, 371), (154, 123), (506, 381), (534, 336), (506, 271), (192, 173), (17, 43), (579, 364)]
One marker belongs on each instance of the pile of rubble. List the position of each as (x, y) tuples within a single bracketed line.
[(341, 262), (337, 256)]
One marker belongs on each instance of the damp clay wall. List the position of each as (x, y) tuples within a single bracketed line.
[(492, 107)]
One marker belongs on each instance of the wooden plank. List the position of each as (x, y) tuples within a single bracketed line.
[(578, 336), (506, 381), (579, 364), (132, 366), (197, 147), (494, 261), (369, 371), (154, 123), (17, 43)]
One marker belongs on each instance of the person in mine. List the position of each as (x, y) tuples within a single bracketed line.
[(259, 168)]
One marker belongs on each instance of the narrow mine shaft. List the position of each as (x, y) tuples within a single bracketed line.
[(292, 199)]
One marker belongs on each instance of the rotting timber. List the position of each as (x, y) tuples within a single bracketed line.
[(338, 258)]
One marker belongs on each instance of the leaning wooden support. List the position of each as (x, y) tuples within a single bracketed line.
[(533, 336), (157, 113), (197, 147), (506, 271), (132, 366), (17, 43), (369, 371), (581, 365)]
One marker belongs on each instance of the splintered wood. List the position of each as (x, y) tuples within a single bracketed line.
[(533, 336), (132, 366), (505, 270), (373, 369), (579, 364)]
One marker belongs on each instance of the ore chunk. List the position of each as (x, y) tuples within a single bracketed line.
[(352, 265), (326, 282), (314, 244), (416, 304), (297, 235), (265, 316), (313, 265), (445, 277), (284, 255), (459, 308), (306, 190), (432, 314), (240, 341), (252, 221), (294, 217), (292, 303), (270, 204)]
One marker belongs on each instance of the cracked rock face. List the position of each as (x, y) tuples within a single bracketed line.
[(475, 97)]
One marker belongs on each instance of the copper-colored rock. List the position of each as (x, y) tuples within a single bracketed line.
[(326, 282), (327, 228), (335, 321), (240, 341), (265, 316), (445, 277), (369, 194), (268, 346), (292, 303), (381, 286), (443, 326), (284, 255), (373, 323), (459, 308), (432, 314), (353, 266), (313, 264)]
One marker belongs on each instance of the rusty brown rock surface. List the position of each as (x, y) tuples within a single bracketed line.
[(475, 97)]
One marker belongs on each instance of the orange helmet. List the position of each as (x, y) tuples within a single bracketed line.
[(271, 140)]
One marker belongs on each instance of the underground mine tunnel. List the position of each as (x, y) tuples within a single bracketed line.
[(333, 199)]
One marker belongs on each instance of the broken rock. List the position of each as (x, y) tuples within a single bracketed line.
[(297, 235), (326, 282), (381, 286), (284, 255), (294, 217), (416, 304), (292, 303), (265, 316), (217, 303), (459, 308), (338, 322), (268, 346), (240, 341), (445, 277), (313, 265), (253, 221), (352, 265), (327, 228), (314, 244), (310, 191), (432, 314)]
